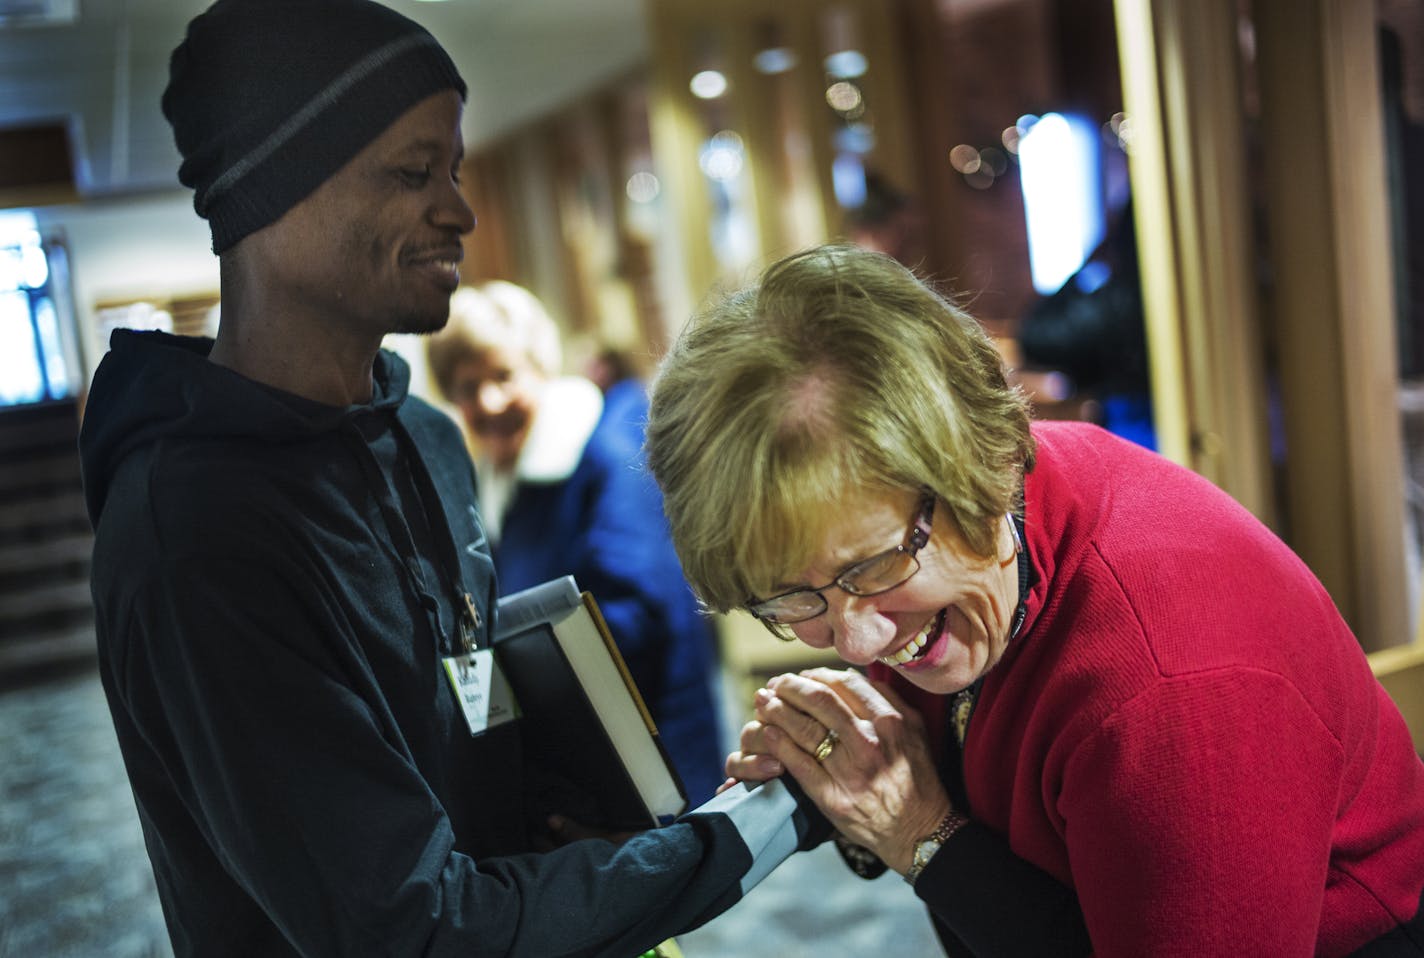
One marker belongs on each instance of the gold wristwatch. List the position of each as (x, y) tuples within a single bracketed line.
[(926, 847)]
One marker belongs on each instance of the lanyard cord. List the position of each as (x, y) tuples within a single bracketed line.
[(439, 525)]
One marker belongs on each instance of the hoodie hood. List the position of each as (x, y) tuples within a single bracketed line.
[(153, 386)]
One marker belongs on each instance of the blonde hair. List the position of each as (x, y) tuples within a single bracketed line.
[(494, 315), (839, 374)]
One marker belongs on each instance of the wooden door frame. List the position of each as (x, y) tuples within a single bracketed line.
[(1330, 307)]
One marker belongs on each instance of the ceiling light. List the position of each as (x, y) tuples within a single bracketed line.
[(775, 60), (708, 85), (846, 65)]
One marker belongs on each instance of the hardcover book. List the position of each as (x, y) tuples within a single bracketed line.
[(582, 714)]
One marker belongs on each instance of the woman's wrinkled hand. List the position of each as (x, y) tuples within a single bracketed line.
[(876, 780)]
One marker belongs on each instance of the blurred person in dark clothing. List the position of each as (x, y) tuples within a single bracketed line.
[(1093, 331)]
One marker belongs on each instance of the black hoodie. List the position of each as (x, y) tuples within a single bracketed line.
[(276, 582)]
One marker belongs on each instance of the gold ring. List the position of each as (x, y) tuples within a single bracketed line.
[(828, 745)]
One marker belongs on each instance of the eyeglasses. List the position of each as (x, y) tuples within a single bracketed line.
[(879, 573)]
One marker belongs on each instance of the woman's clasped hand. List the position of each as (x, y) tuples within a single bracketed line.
[(878, 785)]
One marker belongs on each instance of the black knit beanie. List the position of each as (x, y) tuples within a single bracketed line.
[(269, 98)]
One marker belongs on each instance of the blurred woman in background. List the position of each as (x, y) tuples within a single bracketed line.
[(563, 492)]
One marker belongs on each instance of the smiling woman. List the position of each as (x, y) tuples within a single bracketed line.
[(562, 493), (1129, 700)]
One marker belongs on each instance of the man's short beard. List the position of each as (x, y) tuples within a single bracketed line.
[(420, 324)]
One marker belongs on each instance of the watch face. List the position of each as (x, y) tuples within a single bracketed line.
[(925, 849)]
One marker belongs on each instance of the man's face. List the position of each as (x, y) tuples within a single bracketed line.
[(376, 248)]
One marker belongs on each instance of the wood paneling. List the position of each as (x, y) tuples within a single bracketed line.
[(36, 165), (1331, 303)]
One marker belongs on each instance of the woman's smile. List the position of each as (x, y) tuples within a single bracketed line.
[(914, 650)]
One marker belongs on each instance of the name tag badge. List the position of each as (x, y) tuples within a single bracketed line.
[(481, 689)]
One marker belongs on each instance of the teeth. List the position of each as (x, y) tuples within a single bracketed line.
[(448, 268), (911, 648)]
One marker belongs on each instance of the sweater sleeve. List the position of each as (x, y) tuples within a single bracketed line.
[(989, 903), (985, 900), (1198, 819), (291, 773)]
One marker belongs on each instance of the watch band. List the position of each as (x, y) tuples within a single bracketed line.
[(926, 847)]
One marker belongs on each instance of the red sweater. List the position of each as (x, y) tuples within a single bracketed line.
[(1185, 732)]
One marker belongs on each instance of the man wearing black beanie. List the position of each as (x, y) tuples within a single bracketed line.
[(288, 548)]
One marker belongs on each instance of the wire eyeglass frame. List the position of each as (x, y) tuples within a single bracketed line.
[(905, 565)]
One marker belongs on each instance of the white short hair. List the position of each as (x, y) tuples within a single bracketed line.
[(496, 314)]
